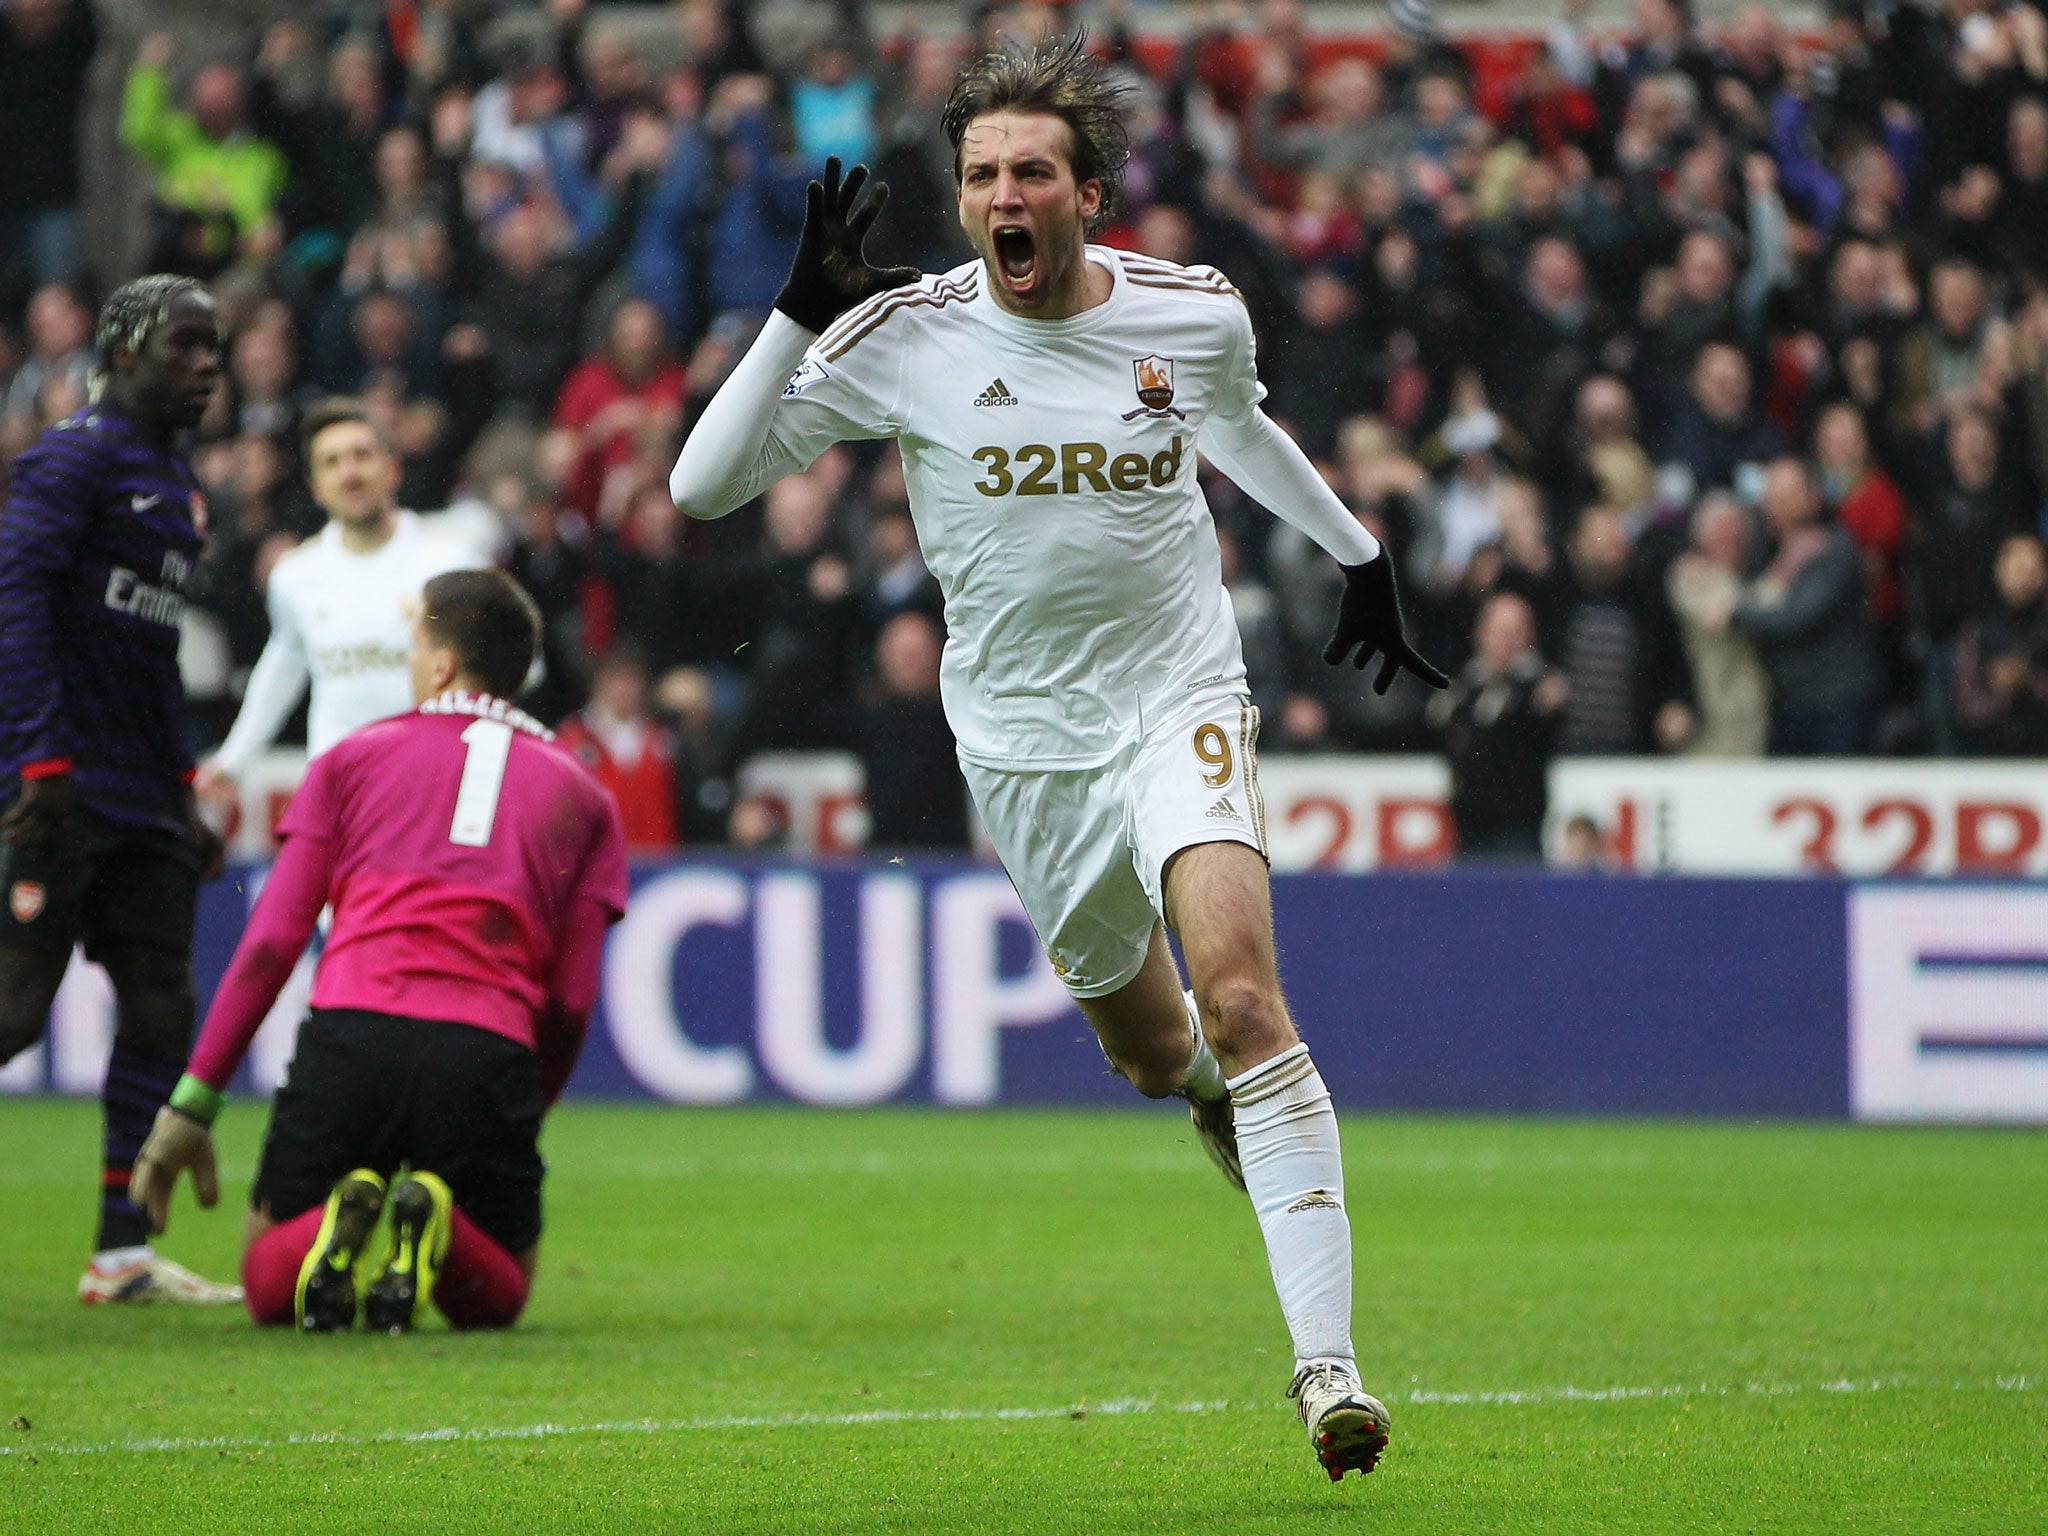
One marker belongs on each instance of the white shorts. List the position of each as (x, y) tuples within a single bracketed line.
[(1086, 847)]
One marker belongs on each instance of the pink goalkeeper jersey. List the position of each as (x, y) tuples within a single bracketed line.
[(461, 837)]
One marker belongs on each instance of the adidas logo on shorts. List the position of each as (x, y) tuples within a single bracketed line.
[(1223, 810), (997, 394), (1313, 1200)]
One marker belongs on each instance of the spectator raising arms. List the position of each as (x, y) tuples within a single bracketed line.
[(217, 183)]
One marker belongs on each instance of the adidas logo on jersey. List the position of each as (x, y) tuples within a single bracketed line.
[(996, 394), (1223, 810)]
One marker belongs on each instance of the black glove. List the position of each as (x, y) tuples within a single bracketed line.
[(829, 275), (1370, 618)]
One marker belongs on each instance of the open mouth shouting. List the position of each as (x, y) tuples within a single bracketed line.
[(1016, 258)]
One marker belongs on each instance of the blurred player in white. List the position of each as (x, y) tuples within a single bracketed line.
[(1049, 400), (341, 603)]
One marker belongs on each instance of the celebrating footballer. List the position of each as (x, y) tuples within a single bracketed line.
[(1050, 399)]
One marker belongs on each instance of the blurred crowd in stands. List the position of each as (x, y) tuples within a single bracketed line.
[(1697, 370)]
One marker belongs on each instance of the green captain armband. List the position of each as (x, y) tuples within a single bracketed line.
[(198, 1099)]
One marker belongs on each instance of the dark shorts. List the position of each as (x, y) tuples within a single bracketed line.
[(106, 880), (369, 1090)]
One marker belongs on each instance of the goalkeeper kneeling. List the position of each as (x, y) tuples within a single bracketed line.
[(471, 866)]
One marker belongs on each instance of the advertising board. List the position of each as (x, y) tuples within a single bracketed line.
[(1865, 819), (848, 982)]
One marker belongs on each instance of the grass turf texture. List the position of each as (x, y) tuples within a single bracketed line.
[(1580, 1327)]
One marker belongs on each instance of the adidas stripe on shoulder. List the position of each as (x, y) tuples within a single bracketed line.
[(853, 317), (854, 327), (1151, 272)]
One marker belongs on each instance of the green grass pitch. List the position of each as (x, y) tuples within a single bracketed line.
[(788, 1322)]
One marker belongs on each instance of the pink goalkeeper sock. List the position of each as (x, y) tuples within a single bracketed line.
[(481, 1285), (270, 1269)]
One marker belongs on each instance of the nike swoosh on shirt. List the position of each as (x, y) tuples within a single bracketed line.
[(144, 503)]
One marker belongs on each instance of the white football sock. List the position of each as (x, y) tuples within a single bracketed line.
[(1294, 1172), (1204, 1077), (107, 1260)]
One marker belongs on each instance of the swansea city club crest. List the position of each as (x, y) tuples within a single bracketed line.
[(1155, 388)]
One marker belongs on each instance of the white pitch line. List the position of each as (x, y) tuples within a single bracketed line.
[(1421, 1396)]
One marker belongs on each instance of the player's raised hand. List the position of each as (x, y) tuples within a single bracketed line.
[(176, 1142), (829, 275), (1370, 618)]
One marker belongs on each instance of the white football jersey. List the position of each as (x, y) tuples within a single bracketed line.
[(1052, 476), (342, 619)]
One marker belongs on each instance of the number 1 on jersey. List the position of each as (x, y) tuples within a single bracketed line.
[(483, 777)]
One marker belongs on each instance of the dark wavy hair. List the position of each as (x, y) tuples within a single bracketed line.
[(1059, 79)]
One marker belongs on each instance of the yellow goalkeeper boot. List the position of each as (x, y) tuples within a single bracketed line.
[(422, 1219), (325, 1301)]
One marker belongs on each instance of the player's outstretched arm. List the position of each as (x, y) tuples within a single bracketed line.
[(1369, 618), (270, 948), (182, 1137), (276, 684), (732, 455), (572, 993), (1270, 467)]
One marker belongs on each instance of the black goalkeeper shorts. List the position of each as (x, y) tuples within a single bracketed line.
[(106, 879), (370, 1090)]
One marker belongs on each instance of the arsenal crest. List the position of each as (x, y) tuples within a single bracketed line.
[(199, 514), (27, 900), (1155, 388)]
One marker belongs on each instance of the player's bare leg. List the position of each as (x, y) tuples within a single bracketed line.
[(1144, 1026), (1219, 900), (1151, 1031)]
